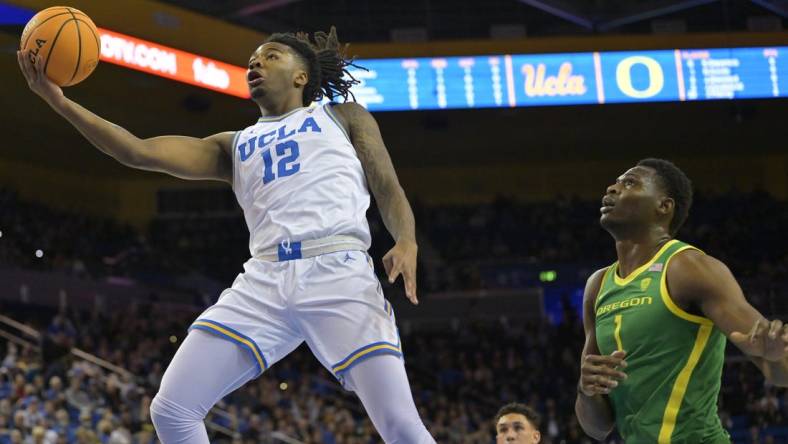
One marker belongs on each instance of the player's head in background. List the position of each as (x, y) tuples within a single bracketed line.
[(517, 424), (292, 68), (654, 195)]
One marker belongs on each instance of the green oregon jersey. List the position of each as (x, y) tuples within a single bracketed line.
[(674, 358)]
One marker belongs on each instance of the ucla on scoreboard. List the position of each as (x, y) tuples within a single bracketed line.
[(572, 78)]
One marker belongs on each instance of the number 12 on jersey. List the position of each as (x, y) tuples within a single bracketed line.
[(287, 152)]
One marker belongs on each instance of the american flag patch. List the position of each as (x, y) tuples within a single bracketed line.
[(655, 267)]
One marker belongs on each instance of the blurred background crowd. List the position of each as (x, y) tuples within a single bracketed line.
[(461, 371), (103, 267)]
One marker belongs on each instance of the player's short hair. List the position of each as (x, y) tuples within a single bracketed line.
[(676, 185), (522, 409), (325, 61)]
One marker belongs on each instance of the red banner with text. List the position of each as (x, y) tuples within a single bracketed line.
[(172, 63)]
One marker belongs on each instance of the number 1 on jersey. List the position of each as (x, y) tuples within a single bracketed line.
[(287, 152), (618, 320)]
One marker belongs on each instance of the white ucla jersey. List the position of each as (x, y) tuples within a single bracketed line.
[(297, 177)]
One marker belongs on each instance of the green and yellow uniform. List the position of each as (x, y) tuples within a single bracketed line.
[(674, 358)]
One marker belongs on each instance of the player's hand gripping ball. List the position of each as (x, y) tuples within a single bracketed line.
[(63, 43)]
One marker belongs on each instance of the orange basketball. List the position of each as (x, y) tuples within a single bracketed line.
[(67, 41)]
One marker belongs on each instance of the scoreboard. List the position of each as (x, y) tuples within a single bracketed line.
[(571, 78), (509, 80)]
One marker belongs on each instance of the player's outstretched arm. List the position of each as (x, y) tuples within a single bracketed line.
[(180, 156), (707, 283), (599, 374), (382, 179)]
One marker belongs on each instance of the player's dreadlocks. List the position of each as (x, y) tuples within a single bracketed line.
[(326, 64)]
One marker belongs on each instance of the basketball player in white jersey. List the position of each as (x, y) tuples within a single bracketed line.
[(300, 175)]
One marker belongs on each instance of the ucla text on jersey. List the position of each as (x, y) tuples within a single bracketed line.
[(297, 177)]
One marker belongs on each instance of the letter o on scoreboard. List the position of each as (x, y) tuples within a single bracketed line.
[(656, 78)]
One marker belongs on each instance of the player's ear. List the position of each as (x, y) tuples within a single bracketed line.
[(666, 205), (537, 436), (300, 78)]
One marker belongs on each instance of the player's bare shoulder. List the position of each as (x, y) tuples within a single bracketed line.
[(223, 143), (694, 275), (356, 119), (590, 294), (349, 110), (695, 263), (593, 285)]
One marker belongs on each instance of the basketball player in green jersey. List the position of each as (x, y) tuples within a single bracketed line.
[(656, 321)]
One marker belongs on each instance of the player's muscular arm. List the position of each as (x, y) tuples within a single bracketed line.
[(180, 156), (703, 281), (382, 179), (189, 157), (598, 373), (184, 157)]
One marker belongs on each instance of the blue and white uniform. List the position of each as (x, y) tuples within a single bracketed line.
[(304, 196)]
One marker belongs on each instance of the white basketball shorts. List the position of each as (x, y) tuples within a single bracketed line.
[(332, 301)]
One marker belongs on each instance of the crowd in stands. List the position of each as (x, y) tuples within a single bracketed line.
[(467, 240), (70, 242), (460, 373), (744, 230)]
